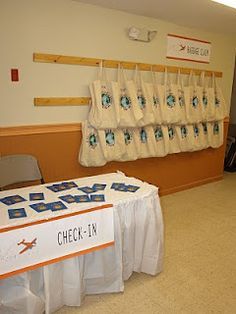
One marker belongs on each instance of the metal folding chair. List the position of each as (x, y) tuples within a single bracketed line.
[(16, 169)]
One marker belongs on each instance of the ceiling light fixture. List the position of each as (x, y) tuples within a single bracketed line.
[(229, 3), (141, 34)]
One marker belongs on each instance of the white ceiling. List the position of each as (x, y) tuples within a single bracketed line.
[(203, 14)]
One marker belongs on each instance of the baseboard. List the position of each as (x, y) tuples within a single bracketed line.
[(190, 185)]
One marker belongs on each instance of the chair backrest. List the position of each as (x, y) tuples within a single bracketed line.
[(18, 169)]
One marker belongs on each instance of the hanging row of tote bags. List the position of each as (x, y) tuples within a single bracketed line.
[(131, 119), (101, 146)]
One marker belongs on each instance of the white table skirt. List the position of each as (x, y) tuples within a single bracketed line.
[(138, 247)]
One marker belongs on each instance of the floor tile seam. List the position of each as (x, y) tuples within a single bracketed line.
[(188, 247), (106, 304), (160, 305), (174, 302), (211, 242), (110, 301), (167, 286), (200, 267)]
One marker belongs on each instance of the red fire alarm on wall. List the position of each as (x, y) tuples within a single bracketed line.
[(14, 75)]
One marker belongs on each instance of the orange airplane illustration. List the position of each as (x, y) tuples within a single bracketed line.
[(28, 245), (182, 47)]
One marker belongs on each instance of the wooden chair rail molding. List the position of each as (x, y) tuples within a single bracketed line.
[(81, 101), (39, 129), (46, 128)]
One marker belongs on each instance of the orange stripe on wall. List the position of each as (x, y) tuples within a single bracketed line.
[(57, 153)]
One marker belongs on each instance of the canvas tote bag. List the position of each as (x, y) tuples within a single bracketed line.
[(205, 135), (146, 142), (181, 98), (220, 106), (198, 137), (156, 95), (131, 145), (125, 98), (103, 112), (185, 137), (173, 143), (193, 100), (208, 106), (172, 112), (91, 154), (145, 103), (216, 133), (112, 143), (162, 140)]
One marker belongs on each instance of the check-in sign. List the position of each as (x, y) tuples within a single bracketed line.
[(29, 246), (189, 49)]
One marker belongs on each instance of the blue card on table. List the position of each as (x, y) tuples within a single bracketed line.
[(116, 185), (54, 206), (87, 189), (68, 198), (53, 188), (17, 213), (122, 188), (70, 184), (82, 198), (36, 196), (99, 186), (40, 207), (97, 198), (61, 187), (13, 199), (132, 188)]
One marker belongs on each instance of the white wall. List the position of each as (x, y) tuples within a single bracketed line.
[(72, 28)]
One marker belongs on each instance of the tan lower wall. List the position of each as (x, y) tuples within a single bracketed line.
[(56, 148)]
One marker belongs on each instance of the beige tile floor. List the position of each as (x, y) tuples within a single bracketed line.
[(200, 259)]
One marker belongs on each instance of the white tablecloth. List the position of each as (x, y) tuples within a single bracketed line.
[(138, 227)]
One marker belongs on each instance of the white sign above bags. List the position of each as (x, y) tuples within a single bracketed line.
[(29, 246), (188, 49)]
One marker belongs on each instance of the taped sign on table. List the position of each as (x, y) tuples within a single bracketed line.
[(184, 48), (29, 246)]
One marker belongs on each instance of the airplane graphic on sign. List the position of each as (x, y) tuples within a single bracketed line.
[(188, 49), (28, 245)]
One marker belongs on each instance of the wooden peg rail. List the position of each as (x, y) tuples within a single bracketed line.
[(78, 101), (62, 101), (60, 59)]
